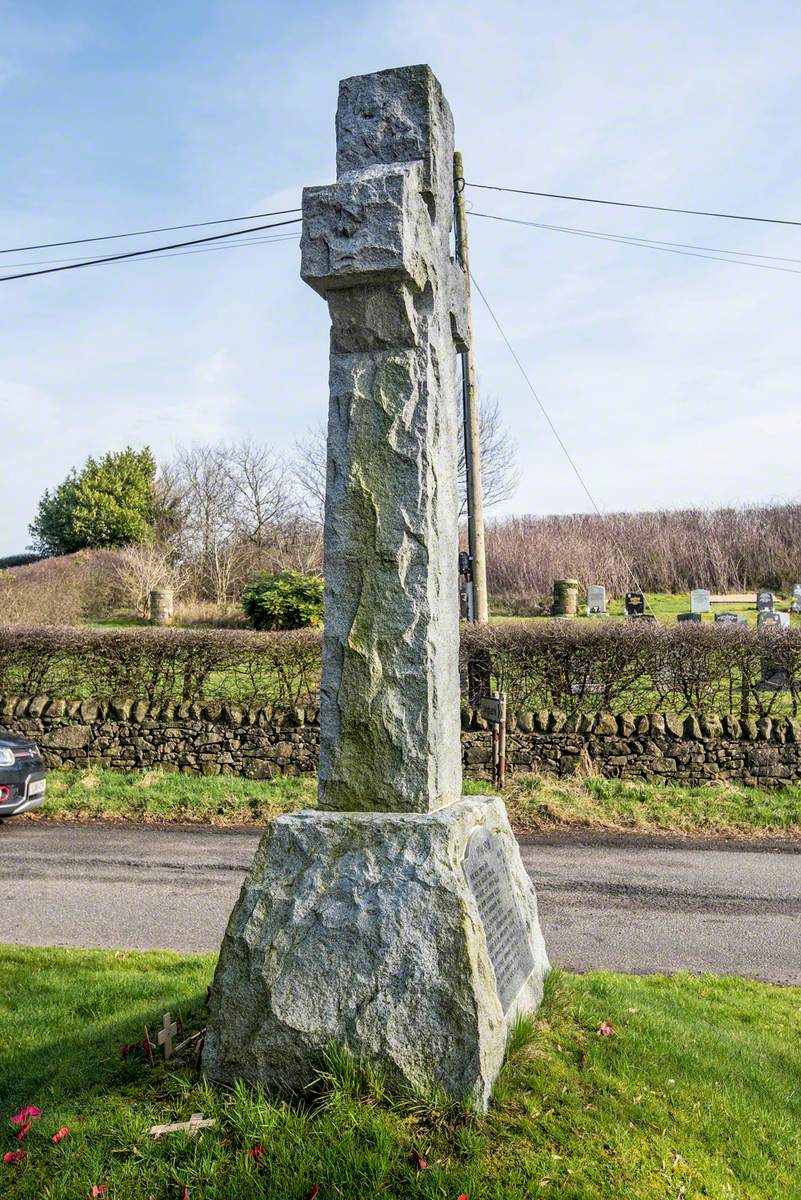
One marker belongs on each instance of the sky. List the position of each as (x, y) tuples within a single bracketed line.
[(672, 379)]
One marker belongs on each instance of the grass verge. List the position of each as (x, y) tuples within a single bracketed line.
[(535, 803), (694, 1093)]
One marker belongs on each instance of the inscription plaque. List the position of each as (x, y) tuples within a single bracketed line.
[(487, 873)]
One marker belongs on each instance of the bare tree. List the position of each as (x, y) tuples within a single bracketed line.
[(143, 568), (309, 468), (499, 474), (261, 487)]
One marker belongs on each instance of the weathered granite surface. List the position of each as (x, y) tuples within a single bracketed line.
[(362, 929), (402, 924), (376, 245)]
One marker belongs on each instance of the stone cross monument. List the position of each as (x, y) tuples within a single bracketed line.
[(397, 919)]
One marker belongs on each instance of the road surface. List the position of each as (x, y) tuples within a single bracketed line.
[(604, 903)]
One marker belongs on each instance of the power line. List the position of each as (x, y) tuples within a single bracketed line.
[(92, 262), (534, 393), (652, 244), (551, 425), (110, 237), (634, 237), (691, 212), (276, 237)]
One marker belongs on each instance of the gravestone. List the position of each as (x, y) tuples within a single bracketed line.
[(397, 920), (764, 602), (700, 600), (634, 604), (695, 617), (796, 605), (730, 618), (596, 600), (773, 620)]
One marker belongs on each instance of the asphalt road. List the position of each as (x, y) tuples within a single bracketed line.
[(604, 903)]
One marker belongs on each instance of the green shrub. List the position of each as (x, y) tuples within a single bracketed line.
[(286, 601)]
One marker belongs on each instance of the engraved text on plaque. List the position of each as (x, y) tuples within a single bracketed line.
[(488, 875)]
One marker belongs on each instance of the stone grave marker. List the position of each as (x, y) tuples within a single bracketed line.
[(796, 605), (695, 617), (596, 600), (773, 620), (764, 602), (397, 919), (634, 604), (730, 618), (700, 600)]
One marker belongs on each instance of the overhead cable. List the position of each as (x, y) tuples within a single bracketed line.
[(152, 250), (692, 212), (110, 237), (652, 244)]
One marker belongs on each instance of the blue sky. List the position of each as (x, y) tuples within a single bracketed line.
[(673, 380)]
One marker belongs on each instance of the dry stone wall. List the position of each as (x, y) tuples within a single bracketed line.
[(260, 743)]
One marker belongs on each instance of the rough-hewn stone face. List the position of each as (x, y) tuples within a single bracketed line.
[(376, 245), (362, 929)]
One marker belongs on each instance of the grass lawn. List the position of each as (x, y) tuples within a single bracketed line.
[(534, 803), (696, 1092)]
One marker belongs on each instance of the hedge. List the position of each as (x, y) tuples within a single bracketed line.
[(580, 667), (159, 665)]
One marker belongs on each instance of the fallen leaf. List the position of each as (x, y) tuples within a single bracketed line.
[(605, 1030), (14, 1157), (256, 1153), (62, 1133), (418, 1160), (23, 1130), (24, 1114)]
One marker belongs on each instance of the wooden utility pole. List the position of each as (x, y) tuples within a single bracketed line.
[(475, 500)]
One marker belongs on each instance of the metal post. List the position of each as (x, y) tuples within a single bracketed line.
[(475, 499)]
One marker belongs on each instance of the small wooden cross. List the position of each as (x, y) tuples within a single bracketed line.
[(195, 1123), (167, 1034)]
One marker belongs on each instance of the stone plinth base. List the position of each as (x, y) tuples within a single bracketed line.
[(411, 939)]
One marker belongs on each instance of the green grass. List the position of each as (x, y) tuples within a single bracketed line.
[(537, 802), (696, 1093), (534, 802), (167, 796)]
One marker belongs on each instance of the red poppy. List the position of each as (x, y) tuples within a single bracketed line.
[(99, 1190), (186, 1193), (313, 1192), (256, 1153), (57, 1137), (605, 1030), (24, 1114), (23, 1130), (14, 1157), (462, 1197), (418, 1160)]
